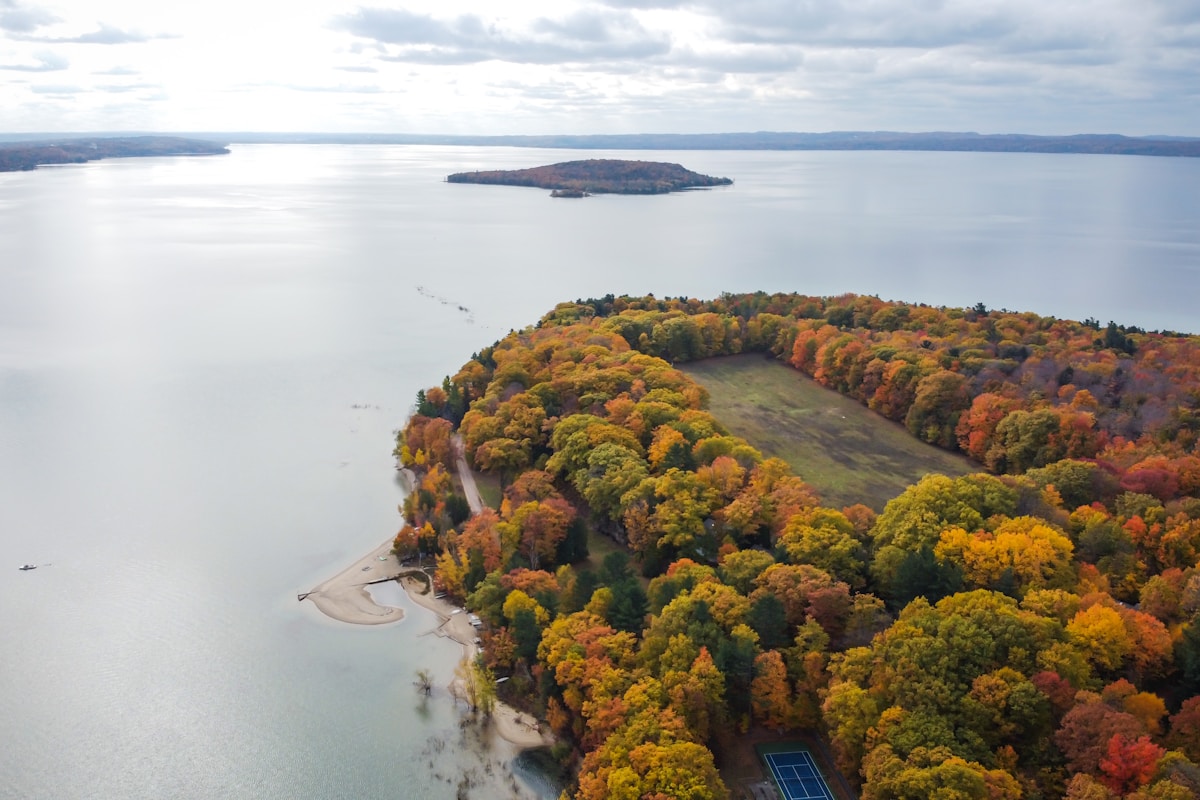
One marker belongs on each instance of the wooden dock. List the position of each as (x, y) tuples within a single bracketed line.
[(304, 595)]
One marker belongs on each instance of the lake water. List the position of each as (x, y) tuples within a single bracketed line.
[(202, 361)]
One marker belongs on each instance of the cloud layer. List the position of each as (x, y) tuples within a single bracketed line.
[(586, 36), (463, 66)]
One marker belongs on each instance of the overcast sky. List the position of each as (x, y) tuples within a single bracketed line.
[(601, 66)]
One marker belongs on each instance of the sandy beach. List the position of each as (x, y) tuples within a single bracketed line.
[(513, 726), (344, 597)]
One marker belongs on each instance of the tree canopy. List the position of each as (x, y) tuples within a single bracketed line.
[(1032, 630)]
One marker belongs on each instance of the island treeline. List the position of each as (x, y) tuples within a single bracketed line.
[(16, 156), (1029, 631), (597, 176)]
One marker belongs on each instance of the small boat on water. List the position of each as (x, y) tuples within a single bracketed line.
[(27, 567)]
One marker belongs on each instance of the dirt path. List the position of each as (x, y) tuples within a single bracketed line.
[(474, 500)]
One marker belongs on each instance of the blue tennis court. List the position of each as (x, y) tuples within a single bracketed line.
[(797, 776)]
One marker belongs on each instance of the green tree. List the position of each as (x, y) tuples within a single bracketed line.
[(475, 571), (940, 400), (574, 546), (768, 618), (503, 456), (735, 658), (476, 684), (920, 574), (577, 436), (740, 569), (917, 517), (629, 606), (526, 633), (682, 504), (611, 471), (1187, 653), (831, 547), (1026, 439)]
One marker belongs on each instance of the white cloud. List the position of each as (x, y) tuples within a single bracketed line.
[(44, 62), (105, 34), (56, 89), (548, 66), (119, 70), (122, 88), (587, 35), (17, 18)]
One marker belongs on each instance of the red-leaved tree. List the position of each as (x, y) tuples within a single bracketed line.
[(1129, 763)]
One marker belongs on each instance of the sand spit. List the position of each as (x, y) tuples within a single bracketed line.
[(344, 597)]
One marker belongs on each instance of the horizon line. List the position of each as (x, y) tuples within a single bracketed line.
[(679, 134)]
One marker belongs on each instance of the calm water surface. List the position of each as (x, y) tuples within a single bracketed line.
[(202, 362)]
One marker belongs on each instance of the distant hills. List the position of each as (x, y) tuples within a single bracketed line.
[(1093, 143), (597, 176), (1103, 143), (28, 155)]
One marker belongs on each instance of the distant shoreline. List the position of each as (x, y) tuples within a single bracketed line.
[(929, 141), (26, 155)]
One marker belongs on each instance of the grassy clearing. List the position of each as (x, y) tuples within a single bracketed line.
[(599, 546), (489, 489), (848, 453)]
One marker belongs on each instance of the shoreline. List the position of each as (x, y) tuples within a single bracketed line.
[(515, 727), (344, 598)]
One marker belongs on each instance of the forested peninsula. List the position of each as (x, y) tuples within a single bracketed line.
[(661, 593), (16, 156), (597, 176)]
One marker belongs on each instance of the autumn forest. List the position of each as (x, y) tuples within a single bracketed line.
[(1031, 630)]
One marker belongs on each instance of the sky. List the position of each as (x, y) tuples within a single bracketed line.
[(601, 66)]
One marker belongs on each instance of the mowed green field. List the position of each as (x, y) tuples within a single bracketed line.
[(848, 453)]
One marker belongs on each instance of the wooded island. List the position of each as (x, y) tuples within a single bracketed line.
[(17, 156), (597, 176)]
